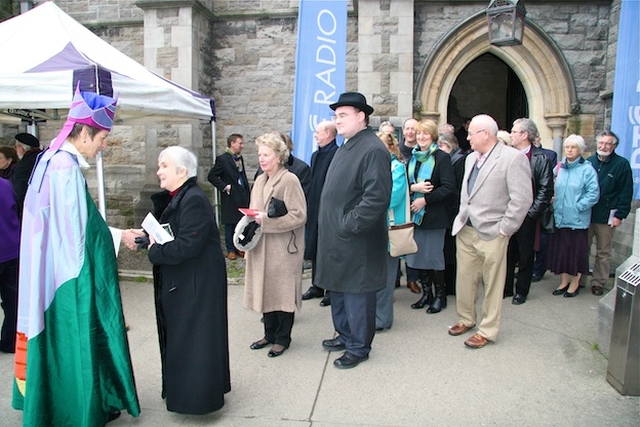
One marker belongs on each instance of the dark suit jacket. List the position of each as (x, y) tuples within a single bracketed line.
[(225, 172), (21, 176)]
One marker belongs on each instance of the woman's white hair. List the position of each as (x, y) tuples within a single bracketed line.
[(577, 140), (183, 159)]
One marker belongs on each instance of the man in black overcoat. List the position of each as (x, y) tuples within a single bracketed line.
[(352, 230), (325, 136), (27, 147), (229, 177)]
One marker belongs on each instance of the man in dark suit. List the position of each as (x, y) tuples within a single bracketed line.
[(352, 230), (546, 222), (27, 148), (527, 238), (229, 177), (325, 136)]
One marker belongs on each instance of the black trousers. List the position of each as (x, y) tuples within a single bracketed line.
[(277, 327), (354, 318), (9, 296), (521, 251)]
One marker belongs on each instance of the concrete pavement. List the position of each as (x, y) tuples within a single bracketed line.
[(545, 370)]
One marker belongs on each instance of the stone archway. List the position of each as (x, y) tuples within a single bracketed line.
[(538, 63)]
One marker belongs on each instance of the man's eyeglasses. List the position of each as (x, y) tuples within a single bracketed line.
[(517, 131), (606, 144), (476, 132), (342, 115)]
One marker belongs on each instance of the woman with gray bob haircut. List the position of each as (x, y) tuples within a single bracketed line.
[(182, 158), (576, 191), (190, 289)]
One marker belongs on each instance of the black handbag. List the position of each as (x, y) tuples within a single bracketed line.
[(276, 208)]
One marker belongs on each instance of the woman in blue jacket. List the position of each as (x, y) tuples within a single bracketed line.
[(576, 191), (398, 203)]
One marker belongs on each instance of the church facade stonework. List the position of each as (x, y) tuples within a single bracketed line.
[(409, 57)]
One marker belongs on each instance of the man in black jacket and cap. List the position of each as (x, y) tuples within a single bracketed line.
[(352, 230), (28, 148)]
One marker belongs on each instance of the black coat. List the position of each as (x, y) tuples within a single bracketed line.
[(223, 173), (21, 176), (352, 224), (190, 286), (437, 212), (457, 161), (542, 182), (320, 161)]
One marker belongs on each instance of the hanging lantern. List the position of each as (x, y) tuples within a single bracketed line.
[(505, 19)]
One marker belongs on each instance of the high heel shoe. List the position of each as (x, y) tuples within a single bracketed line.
[(259, 344), (568, 294), (560, 291)]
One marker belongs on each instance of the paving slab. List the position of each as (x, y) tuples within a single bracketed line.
[(544, 370)]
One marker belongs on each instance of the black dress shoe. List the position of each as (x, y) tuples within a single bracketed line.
[(259, 344), (276, 353), (568, 294), (519, 299), (113, 415), (560, 291), (333, 345), (536, 278), (326, 301), (348, 361), (312, 292)]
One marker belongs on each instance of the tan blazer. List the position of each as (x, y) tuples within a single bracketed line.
[(501, 196)]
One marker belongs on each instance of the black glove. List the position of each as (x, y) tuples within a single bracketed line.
[(143, 242)]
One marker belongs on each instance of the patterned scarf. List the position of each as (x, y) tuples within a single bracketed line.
[(427, 163), (236, 158)]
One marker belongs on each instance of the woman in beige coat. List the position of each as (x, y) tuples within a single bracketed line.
[(273, 275)]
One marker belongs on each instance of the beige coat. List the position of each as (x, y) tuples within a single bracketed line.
[(273, 275)]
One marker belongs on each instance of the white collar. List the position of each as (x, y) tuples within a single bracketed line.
[(71, 149)]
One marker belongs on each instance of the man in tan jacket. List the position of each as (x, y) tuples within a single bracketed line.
[(493, 203)]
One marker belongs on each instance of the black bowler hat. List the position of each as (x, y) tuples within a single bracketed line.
[(353, 99), (27, 138)]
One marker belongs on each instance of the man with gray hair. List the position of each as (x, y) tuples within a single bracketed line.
[(616, 191), (325, 136), (493, 204), (527, 239)]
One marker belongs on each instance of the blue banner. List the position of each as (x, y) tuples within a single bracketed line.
[(320, 69), (625, 119)]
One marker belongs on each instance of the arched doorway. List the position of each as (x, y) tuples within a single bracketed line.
[(538, 64), (501, 94)]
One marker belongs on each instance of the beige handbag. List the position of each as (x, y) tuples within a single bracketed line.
[(401, 236)]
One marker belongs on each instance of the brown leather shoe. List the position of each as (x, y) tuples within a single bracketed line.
[(476, 341), (241, 254), (459, 329), (413, 287), (231, 256), (597, 290)]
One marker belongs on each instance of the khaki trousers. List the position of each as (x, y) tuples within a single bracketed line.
[(480, 261), (602, 262)]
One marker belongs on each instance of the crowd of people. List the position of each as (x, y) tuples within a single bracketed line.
[(489, 209)]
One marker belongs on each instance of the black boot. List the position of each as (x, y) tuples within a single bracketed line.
[(427, 295), (440, 301)]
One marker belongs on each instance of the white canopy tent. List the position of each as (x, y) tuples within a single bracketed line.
[(46, 53)]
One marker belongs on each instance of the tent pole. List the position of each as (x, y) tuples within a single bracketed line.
[(102, 205), (216, 212)]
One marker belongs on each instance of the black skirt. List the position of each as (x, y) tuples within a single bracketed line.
[(568, 252)]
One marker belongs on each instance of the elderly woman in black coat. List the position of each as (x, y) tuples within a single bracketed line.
[(190, 284)]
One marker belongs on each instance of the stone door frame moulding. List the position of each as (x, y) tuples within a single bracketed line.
[(538, 63)]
